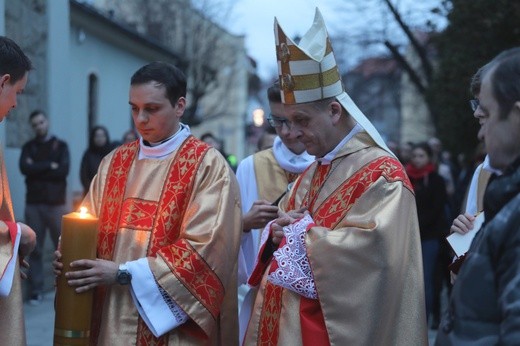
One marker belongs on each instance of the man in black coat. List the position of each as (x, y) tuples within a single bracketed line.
[(484, 308), (45, 163)]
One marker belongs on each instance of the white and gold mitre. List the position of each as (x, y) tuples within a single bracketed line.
[(308, 72)]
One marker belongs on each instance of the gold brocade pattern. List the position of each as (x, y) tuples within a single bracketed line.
[(271, 179), (206, 227), (270, 318), (367, 267), (195, 274)]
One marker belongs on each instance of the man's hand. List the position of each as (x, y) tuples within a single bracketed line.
[(259, 215), (91, 273), (283, 220), (462, 223)]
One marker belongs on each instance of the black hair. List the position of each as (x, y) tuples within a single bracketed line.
[(36, 112), (13, 61), (424, 146), (165, 74), (274, 94), (93, 134)]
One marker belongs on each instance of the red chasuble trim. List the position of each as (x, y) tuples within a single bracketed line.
[(113, 197), (328, 214), (268, 331), (195, 274), (109, 220), (176, 194), (338, 204), (165, 221)]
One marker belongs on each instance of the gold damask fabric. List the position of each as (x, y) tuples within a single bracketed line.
[(271, 179), (12, 327), (211, 226), (367, 269)]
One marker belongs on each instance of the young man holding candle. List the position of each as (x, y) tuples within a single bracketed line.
[(45, 163), (169, 229), (16, 239)]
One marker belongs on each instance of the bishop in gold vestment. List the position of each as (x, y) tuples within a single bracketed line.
[(364, 250), (342, 263)]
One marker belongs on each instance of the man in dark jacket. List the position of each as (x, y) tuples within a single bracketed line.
[(45, 164), (484, 307)]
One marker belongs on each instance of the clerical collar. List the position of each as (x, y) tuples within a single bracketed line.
[(289, 161), (165, 147), (327, 159)]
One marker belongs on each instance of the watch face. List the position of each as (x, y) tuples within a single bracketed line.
[(123, 277)]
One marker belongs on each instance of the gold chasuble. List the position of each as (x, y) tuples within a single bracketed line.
[(183, 214), (365, 256), (12, 327), (271, 179)]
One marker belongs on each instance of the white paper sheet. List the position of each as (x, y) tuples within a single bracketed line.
[(461, 243)]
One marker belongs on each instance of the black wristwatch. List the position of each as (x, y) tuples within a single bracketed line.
[(123, 276)]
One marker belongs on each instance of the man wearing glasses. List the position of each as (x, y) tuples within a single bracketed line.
[(263, 179)]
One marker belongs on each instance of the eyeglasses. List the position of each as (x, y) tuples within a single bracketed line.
[(474, 104), (277, 122)]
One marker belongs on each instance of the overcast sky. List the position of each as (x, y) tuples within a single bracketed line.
[(255, 18)]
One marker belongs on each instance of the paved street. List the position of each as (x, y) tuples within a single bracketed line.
[(39, 321)]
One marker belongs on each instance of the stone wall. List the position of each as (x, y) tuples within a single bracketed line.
[(26, 23)]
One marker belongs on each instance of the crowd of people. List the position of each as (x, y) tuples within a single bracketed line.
[(324, 236)]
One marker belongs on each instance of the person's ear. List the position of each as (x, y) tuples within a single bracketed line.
[(180, 105), (6, 78), (335, 111)]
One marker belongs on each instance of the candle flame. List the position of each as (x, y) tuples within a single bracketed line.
[(83, 211)]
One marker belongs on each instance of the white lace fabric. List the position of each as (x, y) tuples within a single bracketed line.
[(294, 271)]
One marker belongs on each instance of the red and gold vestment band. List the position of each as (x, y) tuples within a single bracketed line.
[(364, 251), (183, 214), (12, 327)]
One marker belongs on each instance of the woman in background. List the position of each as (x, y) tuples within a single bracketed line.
[(430, 197), (99, 146)]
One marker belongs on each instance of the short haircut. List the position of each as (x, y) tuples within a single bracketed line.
[(13, 61), (505, 80), (274, 94), (35, 113), (424, 146), (167, 75)]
